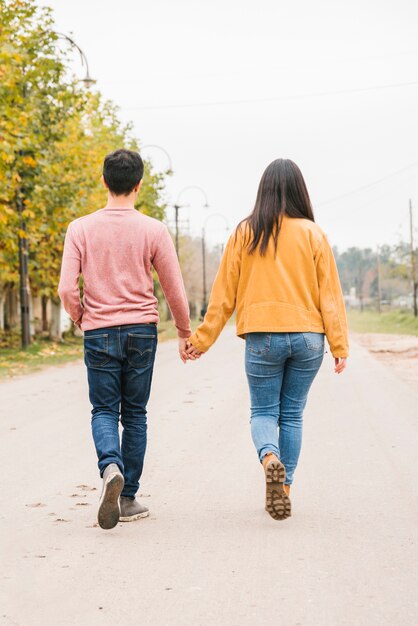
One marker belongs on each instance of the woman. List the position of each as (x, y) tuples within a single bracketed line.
[(279, 273)]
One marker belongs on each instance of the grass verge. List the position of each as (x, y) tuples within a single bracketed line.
[(389, 322), (45, 353)]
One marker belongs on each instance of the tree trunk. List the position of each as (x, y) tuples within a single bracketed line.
[(55, 332), (11, 319), (36, 314), (44, 313), (2, 301)]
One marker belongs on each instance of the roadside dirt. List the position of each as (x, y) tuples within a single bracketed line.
[(400, 352)]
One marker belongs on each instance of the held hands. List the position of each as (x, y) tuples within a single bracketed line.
[(188, 352)]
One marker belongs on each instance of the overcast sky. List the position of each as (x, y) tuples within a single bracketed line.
[(226, 86)]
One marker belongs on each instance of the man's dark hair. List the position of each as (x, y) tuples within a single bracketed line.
[(122, 171)]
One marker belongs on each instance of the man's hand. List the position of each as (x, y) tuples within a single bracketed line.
[(182, 349), (340, 364)]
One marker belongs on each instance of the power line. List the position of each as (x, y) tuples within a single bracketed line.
[(318, 94), (364, 187), (267, 70)]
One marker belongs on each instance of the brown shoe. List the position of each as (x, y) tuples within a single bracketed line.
[(277, 500), (287, 490)]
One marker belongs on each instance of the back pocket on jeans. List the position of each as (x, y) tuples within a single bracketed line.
[(140, 349), (96, 350), (314, 341), (258, 343)]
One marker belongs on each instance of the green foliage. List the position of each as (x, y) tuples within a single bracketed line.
[(390, 322), (353, 264), (359, 268)]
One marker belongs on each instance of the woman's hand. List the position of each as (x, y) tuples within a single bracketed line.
[(192, 352), (340, 364)]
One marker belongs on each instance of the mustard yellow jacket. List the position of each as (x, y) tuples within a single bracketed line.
[(298, 290)]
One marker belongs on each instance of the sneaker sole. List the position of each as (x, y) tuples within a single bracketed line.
[(132, 518), (278, 504), (109, 512)]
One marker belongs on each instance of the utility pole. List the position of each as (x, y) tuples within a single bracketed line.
[(205, 295), (413, 262), (176, 221), (379, 287)]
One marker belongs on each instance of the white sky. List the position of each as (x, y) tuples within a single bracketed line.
[(149, 57)]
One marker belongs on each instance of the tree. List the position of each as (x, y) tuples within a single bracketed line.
[(353, 265), (54, 137)]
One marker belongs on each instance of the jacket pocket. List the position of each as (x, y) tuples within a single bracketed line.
[(141, 349), (96, 350), (314, 341), (258, 343)]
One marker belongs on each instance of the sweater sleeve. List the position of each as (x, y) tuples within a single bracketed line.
[(223, 296), (331, 301), (167, 266), (68, 288)]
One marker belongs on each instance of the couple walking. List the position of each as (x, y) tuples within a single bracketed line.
[(277, 272)]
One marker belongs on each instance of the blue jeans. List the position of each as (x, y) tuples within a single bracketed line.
[(280, 368), (120, 363)]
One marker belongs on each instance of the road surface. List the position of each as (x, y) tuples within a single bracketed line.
[(209, 554)]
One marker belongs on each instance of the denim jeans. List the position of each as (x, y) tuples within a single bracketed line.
[(120, 363), (280, 368)]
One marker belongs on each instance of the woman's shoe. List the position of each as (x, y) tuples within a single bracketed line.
[(278, 504)]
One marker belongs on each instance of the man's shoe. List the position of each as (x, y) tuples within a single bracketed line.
[(277, 501), (287, 489), (113, 482), (130, 509)]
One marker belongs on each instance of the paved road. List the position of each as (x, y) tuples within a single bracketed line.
[(209, 554)]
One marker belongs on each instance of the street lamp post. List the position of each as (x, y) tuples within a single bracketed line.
[(23, 276), (204, 278), (87, 80), (22, 240), (178, 206), (170, 163), (205, 294)]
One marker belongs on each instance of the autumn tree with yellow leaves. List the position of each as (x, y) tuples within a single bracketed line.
[(54, 136)]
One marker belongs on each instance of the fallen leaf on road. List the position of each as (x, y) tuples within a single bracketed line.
[(36, 505)]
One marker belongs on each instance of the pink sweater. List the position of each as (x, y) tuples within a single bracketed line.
[(115, 251)]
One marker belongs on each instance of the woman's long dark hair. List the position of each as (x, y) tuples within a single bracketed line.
[(282, 190)]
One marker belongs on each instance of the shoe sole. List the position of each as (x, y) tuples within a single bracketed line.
[(132, 518), (109, 512), (278, 504)]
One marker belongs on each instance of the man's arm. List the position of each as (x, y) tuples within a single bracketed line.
[(167, 267), (68, 289)]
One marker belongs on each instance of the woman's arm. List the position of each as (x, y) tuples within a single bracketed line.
[(222, 298), (331, 301)]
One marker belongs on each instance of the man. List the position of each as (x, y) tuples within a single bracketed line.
[(115, 250)]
